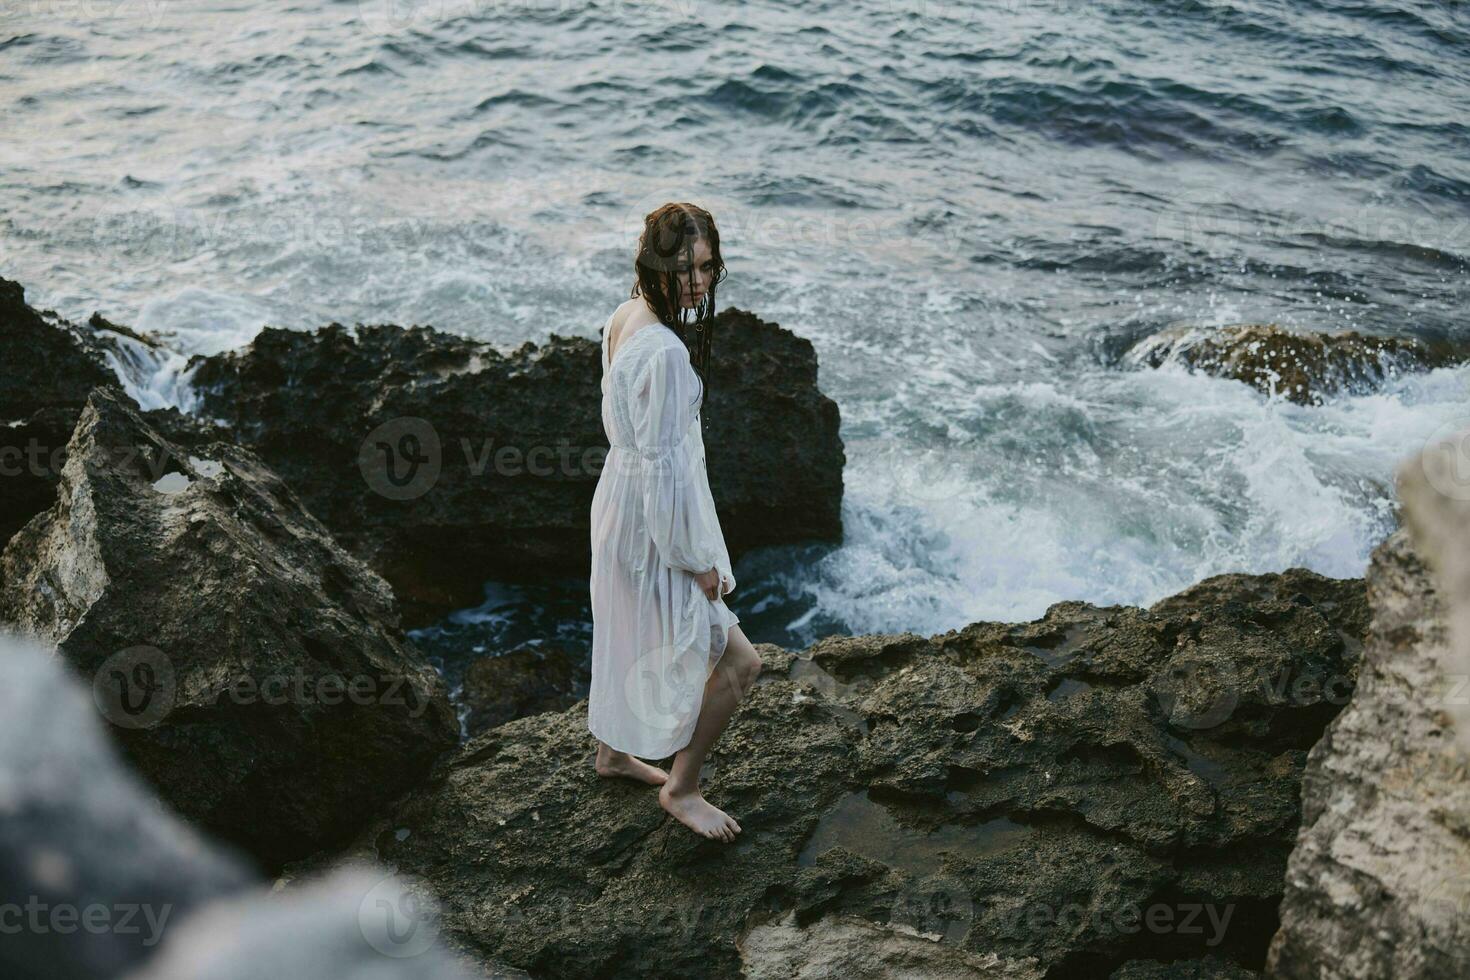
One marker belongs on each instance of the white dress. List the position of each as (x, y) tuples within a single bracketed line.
[(656, 636)]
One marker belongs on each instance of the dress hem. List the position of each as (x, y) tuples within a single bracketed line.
[(714, 662)]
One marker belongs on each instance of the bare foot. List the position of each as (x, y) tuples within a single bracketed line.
[(698, 814), (622, 764)]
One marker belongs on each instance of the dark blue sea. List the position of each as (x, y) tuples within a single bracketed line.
[(970, 209)]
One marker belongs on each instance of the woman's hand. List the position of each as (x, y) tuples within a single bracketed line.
[(711, 582)]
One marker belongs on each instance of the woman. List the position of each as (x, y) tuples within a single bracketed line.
[(669, 662)]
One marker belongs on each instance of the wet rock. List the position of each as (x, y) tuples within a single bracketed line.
[(1302, 367), (522, 682), (1379, 883), (146, 367), (1021, 799), (253, 671), (80, 832), (51, 365), (443, 462), (49, 370)]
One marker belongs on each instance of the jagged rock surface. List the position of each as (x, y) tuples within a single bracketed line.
[(1379, 883), (211, 613), (522, 682), (1004, 794), (51, 365)]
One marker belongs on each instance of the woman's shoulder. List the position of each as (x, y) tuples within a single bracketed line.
[(627, 319)]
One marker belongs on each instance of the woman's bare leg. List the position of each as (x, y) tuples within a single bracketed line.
[(730, 681), (611, 762)]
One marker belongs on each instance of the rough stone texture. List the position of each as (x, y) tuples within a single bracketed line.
[(48, 373), (338, 413), (51, 365), (213, 614), (1435, 487), (1209, 968), (840, 947), (78, 829), (519, 683), (1302, 367), (1379, 883), (1006, 793)]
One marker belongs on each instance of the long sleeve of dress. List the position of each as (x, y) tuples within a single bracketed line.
[(676, 505), (722, 561)]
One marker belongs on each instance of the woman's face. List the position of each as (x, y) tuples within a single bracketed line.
[(693, 285)]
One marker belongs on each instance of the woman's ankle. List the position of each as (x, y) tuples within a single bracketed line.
[(679, 784)]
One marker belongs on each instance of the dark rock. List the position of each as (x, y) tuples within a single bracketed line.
[(79, 831), (185, 431), (49, 371), (1005, 799), (508, 446), (774, 454), (1303, 367), (1208, 968), (1379, 883), (843, 947), (216, 618), (48, 361), (52, 365), (522, 682)]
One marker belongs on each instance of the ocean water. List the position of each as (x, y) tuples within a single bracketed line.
[(971, 210)]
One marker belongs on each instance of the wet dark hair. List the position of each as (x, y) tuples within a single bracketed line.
[(669, 234)]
